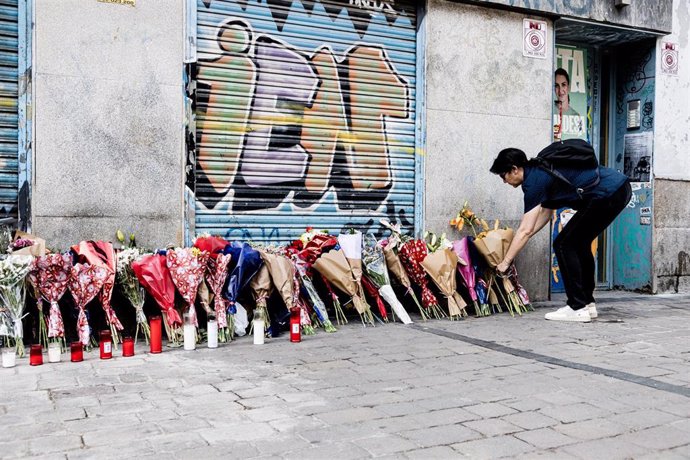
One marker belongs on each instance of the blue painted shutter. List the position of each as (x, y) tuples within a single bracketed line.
[(305, 116), (8, 108)]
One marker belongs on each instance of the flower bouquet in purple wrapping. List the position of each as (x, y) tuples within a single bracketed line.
[(469, 275)]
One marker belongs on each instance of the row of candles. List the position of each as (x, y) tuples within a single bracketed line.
[(156, 341)]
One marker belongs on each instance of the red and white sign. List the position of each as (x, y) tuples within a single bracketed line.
[(534, 38), (669, 58)]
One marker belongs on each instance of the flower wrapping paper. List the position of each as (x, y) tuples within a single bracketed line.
[(412, 254), (187, 271), (85, 282), (216, 274), (51, 275)]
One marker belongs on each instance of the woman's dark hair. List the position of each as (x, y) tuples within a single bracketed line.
[(506, 159), (563, 73)]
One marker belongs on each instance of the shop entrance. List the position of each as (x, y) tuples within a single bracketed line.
[(604, 93)]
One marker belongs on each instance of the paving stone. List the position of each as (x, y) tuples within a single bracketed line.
[(489, 410), (239, 450), (440, 452), (250, 431), (492, 427), (573, 412), (591, 429), (386, 444), (657, 438), (605, 449), (171, 443), (530, 420), (400, 408), (350, 415), (641, 419), (331, 450), (545, 438), (444, 417), (440, 435), (493, 447)]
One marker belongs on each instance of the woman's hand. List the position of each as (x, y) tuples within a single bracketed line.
[(503, 266)]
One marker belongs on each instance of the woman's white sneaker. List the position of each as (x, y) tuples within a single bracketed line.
[(568, 314), (592, 307)]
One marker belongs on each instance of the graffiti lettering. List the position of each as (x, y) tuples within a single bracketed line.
[(223, 126), (298, 125), (286, 84), (375, 5)]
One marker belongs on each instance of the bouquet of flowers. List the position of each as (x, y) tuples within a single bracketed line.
[(304, 252), (213, 245), (521, 291), (262, 288), (187, 267), (375, 266), (466, 217), (412, 253), (302, 278), (441, 266), (152, 272), (13, 272), (85, 282), (245, 263), (26, 244), (493, 245), (391, 249), (101, 253), (468, 275), (131, 288), (216, 274), (344, 272), (50, 275)]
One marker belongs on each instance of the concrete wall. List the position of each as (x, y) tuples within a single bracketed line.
[(483, 96), (671, 251), (646, 14), (109, 121)]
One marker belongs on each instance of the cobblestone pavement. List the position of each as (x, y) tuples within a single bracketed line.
[(479, 388)]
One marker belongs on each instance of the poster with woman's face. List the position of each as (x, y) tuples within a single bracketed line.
[(570, 94)]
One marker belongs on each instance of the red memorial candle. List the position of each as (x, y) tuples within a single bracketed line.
[(295, 332), (128, 346), (36, 355), (106, 345), (77, 352), (156, 334)]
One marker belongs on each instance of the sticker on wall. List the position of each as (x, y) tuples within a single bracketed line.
[(120, 2), (637, 160), (646, 211), (534, 38), (669, 58), (645, 220)]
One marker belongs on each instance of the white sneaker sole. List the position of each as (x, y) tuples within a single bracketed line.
[(569, 319)]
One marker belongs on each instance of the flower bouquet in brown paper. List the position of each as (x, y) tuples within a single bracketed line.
[(336, 268), (441, 266), (26, 244), (262, 287), (493, 245)]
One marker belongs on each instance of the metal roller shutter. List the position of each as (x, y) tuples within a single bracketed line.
[(9, 46), (305, 116)]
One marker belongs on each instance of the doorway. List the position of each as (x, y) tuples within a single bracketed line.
[(610, 70)]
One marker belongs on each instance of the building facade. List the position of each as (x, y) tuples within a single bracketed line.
[(253, 119)]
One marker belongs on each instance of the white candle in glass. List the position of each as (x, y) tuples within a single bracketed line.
[(212, 331)]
